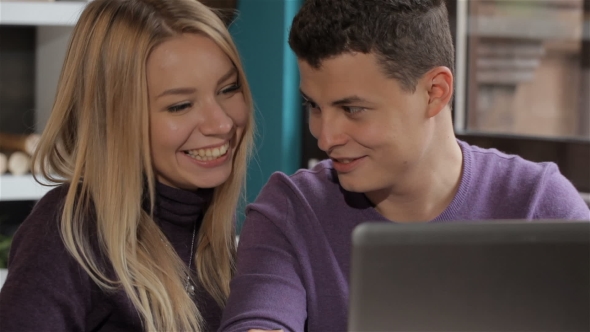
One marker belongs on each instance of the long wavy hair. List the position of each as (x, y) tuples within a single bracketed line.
[(97, 140)]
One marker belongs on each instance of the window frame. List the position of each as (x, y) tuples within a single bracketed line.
[(572, 155)]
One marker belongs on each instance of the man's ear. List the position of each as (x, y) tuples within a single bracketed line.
[(438, 82)]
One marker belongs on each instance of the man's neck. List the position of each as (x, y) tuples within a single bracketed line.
[(427, 190)]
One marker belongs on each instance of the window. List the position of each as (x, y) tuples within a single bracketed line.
[(523, 80)]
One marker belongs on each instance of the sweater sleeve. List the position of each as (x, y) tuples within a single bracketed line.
[(557, 198), (45, 290), (267, 292)]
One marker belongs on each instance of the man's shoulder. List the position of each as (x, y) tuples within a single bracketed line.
[(306, 189), (316, 181), (501, 166), (538, 187)]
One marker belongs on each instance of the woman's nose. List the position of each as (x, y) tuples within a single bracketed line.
[(215, 120)]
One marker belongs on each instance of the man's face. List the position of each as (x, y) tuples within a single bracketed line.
[(373, 131)]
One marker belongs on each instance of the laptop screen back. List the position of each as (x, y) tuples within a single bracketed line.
[(485, 276)]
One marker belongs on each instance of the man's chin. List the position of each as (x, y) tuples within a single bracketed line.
[(352, 183)]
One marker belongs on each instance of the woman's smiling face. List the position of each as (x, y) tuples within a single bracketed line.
[(197, 112)]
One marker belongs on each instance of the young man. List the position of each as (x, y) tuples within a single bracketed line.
[(377, 79)]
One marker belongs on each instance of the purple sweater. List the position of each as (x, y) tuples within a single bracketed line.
[(47, 290), (294, 250)]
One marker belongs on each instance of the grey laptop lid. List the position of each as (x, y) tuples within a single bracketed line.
[(484, 276)]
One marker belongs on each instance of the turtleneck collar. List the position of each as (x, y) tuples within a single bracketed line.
[(181, 207)]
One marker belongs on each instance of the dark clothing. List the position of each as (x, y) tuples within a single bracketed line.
[(47, 290)]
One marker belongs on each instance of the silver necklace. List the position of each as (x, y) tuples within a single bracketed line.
[(189, 287)]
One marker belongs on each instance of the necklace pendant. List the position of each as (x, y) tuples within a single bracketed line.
[(190, 289)]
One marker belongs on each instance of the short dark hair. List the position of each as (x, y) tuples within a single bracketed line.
[(409, 37)]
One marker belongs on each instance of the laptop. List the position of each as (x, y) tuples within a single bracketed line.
[(478, 276)]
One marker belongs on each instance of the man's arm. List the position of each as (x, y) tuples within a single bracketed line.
[(267, 292)]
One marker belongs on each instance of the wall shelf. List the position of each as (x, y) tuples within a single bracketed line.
[(53, 22), (19, 188), (62, 13)]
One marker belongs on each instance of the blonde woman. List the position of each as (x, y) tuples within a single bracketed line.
[(149, 138)]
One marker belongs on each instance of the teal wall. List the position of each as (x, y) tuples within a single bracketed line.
[(261, 32)]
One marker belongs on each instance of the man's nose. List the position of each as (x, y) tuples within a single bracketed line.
[(328, 132)]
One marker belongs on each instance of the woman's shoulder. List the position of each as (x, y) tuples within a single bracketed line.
[(41, 270), (46, 210), (53, 199), (41, 225)]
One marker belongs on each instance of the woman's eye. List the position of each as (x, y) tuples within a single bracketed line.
[(179, 107), (232, 88)]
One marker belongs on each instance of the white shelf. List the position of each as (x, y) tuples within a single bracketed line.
[(62, 13), (19, 188), (3, 274)]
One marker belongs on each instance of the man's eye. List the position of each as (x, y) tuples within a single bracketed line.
[(353, 109), (310, 106), (179, 107)]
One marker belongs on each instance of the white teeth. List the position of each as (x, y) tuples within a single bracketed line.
[(208, 154), (344, 161)]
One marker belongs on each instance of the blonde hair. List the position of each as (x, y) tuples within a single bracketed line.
[(89, 143)]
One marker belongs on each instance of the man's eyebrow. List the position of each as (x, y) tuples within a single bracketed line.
[(349, 100), (339, 102)]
